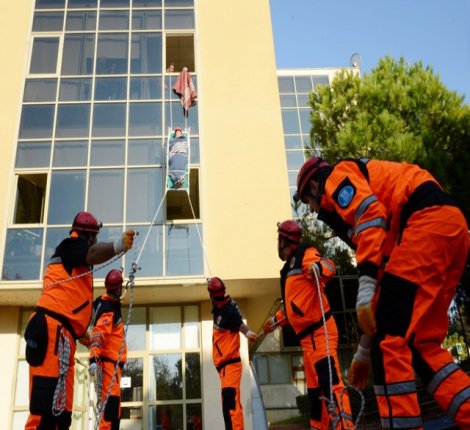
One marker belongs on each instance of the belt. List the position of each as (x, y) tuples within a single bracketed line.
[(108, 360), (227, 362), (61, 318), (314, 326)]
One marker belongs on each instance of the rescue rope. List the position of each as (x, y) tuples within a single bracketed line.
[(60, 393)]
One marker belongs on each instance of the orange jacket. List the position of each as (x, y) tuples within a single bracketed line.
[(300, 291), (367, 203), (108, 335)]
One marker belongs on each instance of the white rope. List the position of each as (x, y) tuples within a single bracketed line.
[(60, 394)]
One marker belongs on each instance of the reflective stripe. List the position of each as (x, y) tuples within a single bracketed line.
[(98, 344), (401, 422), (364, 205), (395, 389), (55, 260), (346, 416), (93, 335), (376, 222), (441, 375), (295, 272), (457, 401), (330, 267)]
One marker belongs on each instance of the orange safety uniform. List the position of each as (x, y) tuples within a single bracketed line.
[(107, 345), (303, 304), (410, 236), (226, 357), (63, 313)]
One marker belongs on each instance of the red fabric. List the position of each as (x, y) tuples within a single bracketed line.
[(185, 89)]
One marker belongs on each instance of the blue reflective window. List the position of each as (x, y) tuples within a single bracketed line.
[(109, 120), (288, 101), (179, 3), (114, 3), (110, 88), (67, 196), (114, 20), (286, 85), (33, 154), (183, 250), (107, 152), (179, 19), (145, 151), (112, 53), (81, 4), (151, 259), (106, 194), (303, 84), (290, 121), (48, 21), (78, 54), (44, 56), (36, 121), (81, 21), (106, 235), (145, 119), (293, 142), (70, 153), (144, 194), (305, 122), (50, 4), (75, 90), (295, 159), (320, 80), (53, 237), (146, 88), (147, 20), (22, 258), (176, 117), (303, 100), (147, 3), (146, 53), (194, 142), (73, 120), (40, 90)]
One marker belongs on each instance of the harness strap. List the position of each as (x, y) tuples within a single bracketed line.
[(61, 318), (314, 326), (227, 362)]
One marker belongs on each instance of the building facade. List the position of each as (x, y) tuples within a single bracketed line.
[(87, 105)]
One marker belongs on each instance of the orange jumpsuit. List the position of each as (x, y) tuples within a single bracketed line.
[(303, 307), (409, 235), (62, 316), (108, 344), (226, 357)]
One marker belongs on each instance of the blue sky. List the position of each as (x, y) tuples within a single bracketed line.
[(325, 33)]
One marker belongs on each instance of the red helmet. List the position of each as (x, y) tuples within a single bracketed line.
[(113, 280), (216, 287), (289, 229), (86, 221), (306, 172), (178, 128)]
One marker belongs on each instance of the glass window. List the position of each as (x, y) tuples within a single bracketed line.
[(73, 120), (147, 3), (303, 84), (112, 53), (194, 150), (145, 119), (191, 327), (194, 416), (151, 259), (179, 3), (33, 154), (22, 258), (165, 377), (320, 80), (81, 4), (179, 19), (114, 20), (192, 375), (295, 159), (261, 366), (145, 151), (288, 101), (107, 152), (303, 100), (279, 372), (53, 237), (105, 195), (74, 90), (81, 21), (109, 120), (36, 122), (48, 21), (70, 153), (146, 19), (135, 337), (176, 117), (110, 88), (293, 142), (165, 328), (286, 85), (169, 416), (44, 56), (30, 195), (131, 417), (305, 120), (78, 54), (146, 53), (134, 372), (40, 90), (22, 382), (50, 4), (146, 88), (183, 250), (114, 3), (290, 121), (67, 196), (144, 194)]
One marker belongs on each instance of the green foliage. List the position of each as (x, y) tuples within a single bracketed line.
[(450, 343)]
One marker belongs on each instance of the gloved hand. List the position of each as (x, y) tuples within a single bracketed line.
[(125, 242), (365, 314), (268, 325), (313, 269), (360, 366), (280, 318), (92, 368), (251, 336)]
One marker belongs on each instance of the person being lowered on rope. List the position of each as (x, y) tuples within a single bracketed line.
[(178, 160), (108, 350), (61, 317), (307, 310), (228, 324), (411, 244)]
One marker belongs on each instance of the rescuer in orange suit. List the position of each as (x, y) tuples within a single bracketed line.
[(61, 317), (411, 245), (108, 345), (228, 324), (303, 306)]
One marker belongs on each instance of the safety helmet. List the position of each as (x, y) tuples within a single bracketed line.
[(306, 172), (113, 280), (178, 128), (86, 221), (216, 287), (290, 230)]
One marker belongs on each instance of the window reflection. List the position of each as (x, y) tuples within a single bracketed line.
[(145, 119), (165, 377), (73, 120), (112, 54), (80, 21), (110, 88), (290, 121), (146, 19), (136, 329), (165, 328), (192, 375), (48, 21), (183, 250), (53, 237), (146, 88), (179, 19), (36, 121), (114, 20), (286, 85), (295, 159), (50, 4), (70, 153), (33, 154), (191, 327), (146, 53), (78, 54), (40, 90), (147, 3), (145, 151), (81, 4), (134, 372), (166, 417), (193, 416), (151, 259), (105, 196), (107, 152), (44, 56), (109, 120), (72, 90), (303, 84)]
